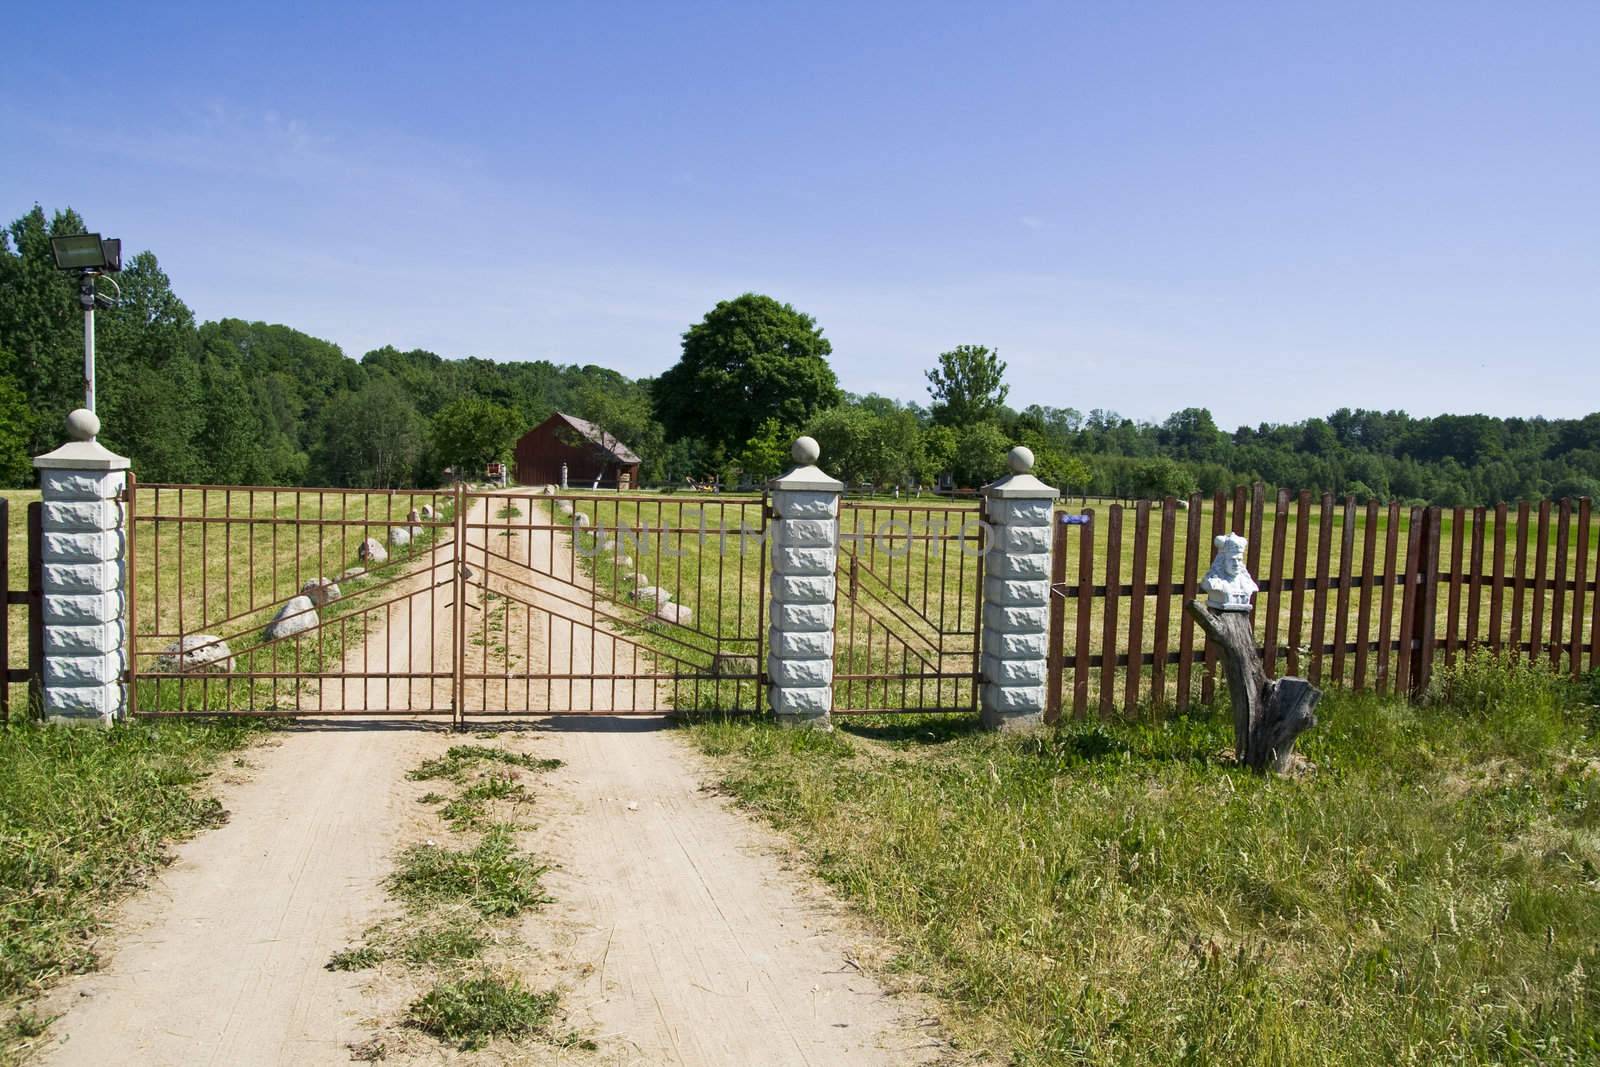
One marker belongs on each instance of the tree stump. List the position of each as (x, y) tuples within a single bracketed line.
[(1268, 713)]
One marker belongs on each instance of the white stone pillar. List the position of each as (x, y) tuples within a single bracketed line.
[(85, 577), (1016, 597), (805, 555)]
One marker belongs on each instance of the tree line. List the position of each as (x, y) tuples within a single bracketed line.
[(236, 402)]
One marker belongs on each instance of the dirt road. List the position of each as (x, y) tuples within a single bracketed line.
[(679, 933)]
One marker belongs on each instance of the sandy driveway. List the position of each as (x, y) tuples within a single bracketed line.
[(679, 933)]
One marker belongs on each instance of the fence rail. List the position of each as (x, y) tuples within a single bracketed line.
[(1365, 596)]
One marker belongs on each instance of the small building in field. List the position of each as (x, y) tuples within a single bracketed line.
[(593, 457)]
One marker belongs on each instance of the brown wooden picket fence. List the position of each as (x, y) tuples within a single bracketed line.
[(1364, 596)]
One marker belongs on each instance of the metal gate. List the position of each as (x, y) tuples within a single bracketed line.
[(449, 604), (908, 612), (605, 603)]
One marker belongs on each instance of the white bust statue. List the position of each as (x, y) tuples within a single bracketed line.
[(1228, 586)]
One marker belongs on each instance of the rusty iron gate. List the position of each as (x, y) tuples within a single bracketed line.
[(447, 604), (607, 603), (908, 613)]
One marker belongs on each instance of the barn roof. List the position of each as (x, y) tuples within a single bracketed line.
[(598, 436)]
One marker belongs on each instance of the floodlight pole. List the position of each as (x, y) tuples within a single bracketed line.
[(86, 300)]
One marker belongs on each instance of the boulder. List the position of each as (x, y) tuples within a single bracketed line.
[(321, 591), (580, 520), (372, 551), (399, 536), (413, 515), (296, 616), (197, 654), (624, 562), (427, 511), (649, 594), (677, 613), (350, 574), (416, 532)]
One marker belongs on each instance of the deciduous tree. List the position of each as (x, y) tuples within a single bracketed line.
[(749, 360)]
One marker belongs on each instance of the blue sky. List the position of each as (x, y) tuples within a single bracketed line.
[(1269, 209)]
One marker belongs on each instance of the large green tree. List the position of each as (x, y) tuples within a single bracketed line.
[(471, 432), (749, 360), (968, 386)]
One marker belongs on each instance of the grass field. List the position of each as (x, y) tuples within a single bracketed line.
[(1114, 893)]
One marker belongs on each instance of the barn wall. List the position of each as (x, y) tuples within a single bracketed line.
[(539, 454)]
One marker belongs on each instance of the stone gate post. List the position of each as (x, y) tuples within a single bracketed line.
[(85, 577), (1016, 596), (805, 554)]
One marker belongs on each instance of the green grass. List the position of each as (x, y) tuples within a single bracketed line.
[(455, 762), (85, 816), (469, 809), (1114, 893), (469, 1011), (492, 877)]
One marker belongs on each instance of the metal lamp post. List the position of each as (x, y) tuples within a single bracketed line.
[(93, 257)]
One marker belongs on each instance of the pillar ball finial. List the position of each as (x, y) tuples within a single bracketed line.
[(1020, 459), (83, 425), (805, 450)]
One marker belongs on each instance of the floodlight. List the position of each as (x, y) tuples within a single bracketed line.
[(93, 257), (81, 251)]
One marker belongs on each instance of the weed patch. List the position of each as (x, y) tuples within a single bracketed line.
[(455, 762), (469, 1011), (468, 810)]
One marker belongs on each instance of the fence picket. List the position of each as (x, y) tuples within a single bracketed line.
[(1369, 553), (1054, 651), (1138, 590), (1319, 600), (1297, 592), (1580, 576), (1080, 663), (1519, 578), (1280, 533), (1541, 563), (1475, 580), (1458, 522), (1497, 577), (1427, 628), (1410, 593), (1108, 639), (1558, 588), (1341, 613), (1191, 582), (1219, 520), (1391, 575), (1258, 507), (1158, 675)]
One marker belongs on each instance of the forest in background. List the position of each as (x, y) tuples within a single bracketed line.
[(235, 402)]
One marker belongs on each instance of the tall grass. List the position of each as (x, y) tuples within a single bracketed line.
[(1117, 894)]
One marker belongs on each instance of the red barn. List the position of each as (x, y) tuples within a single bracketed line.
[(593, 457)]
